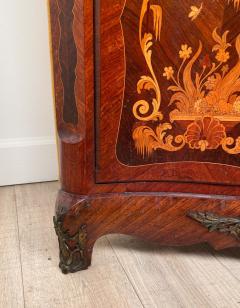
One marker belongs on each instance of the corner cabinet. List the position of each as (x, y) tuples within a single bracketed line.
[(148, 116)]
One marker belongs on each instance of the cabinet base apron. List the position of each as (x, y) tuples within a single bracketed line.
[(168, 219), (148, 119)]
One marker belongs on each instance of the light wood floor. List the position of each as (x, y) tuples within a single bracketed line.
[(126, 272)]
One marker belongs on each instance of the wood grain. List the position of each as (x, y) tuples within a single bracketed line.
[(99, 193), (126, 271), (156, 217), (100, 28), (117, 67), (106, 285), (170, 277), (11, 288)]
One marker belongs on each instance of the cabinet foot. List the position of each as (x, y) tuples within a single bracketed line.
[(81, 220), (74, 255)]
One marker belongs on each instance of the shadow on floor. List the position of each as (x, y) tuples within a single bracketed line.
[(123, 242)]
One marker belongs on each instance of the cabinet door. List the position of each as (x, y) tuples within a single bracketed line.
[(167, 91)]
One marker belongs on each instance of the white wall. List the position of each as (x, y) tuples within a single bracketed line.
[(27, 137)]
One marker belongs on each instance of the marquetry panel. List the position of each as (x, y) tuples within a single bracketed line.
[(182, 87)]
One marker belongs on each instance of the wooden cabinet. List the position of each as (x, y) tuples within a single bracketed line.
[(148, 117)]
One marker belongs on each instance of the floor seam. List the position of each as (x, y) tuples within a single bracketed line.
[(219, 261), (125, 272), (19, 247)]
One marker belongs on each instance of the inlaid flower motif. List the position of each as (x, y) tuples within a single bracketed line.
[(211, 82), (185, 52), (195, 12), (197, 105), (222, 56), (168, 72), (211, 99), (220, 40), (202, 91), (205, 134), (222, 45), (225, 69), (225, 107)]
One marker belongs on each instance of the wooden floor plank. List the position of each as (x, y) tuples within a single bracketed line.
[(11, 290), (230, 259), (176, 277), (105, 284), (132, 274)]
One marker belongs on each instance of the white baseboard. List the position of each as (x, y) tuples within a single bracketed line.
[(28, 160)]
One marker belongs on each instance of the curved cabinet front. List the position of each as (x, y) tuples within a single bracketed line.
[(168, 91)]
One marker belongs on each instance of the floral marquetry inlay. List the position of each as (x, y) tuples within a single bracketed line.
[(203, 89)]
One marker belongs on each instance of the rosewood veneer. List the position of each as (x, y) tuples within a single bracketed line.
[(148, 117)]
